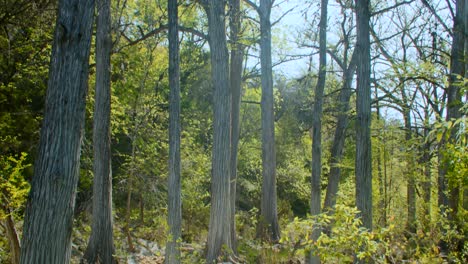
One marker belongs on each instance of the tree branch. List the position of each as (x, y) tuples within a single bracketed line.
[(391, 7), (282, 16), (253, 5), (159, 30)]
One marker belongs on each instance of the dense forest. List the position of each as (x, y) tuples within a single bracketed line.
[(233, 131)]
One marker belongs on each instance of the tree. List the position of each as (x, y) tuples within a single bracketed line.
[(235, 78), (268, 227), (174, 196), (219, 236), (316, 186), (101, 243), (269, 214), (449, 194), (363, 107), (49, 213), (348, 65)]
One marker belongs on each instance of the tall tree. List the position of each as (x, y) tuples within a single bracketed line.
[(363, 107), (219, 229), (268, 225), (449, 194), (235, 78), (269, 212), (348, 65), (339, 136), (174, 196), (49, 213), (454, 93), (101, 243), (316, 186)]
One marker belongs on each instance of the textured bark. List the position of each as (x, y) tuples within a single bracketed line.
[(101, 244), (268, 224), (219, 236), (49, 212), (316, 190), (174, 193), (363, 107), (235, 79)]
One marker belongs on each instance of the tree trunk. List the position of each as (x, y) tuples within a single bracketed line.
[(142, 209), (12, 235), (128, 213), (381, 207), (316, 188), (174, 193), (454, 102), (49, 213), (219, 237), (340, 136), (411, 186), (268, 224), (363, 122), (236, 87), (101, 244), (449, 194), (426, 161)]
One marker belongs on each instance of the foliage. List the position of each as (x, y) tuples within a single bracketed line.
[(347, 241), (139, 133), (14, 188)]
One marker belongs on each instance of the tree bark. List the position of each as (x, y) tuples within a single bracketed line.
[(316, 186), (101, 243), (174, 192), (363, 106), (49, 212), (219, 237), (237, 55), (268, 224)]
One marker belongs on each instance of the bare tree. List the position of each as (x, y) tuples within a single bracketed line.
[(49, 212)]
